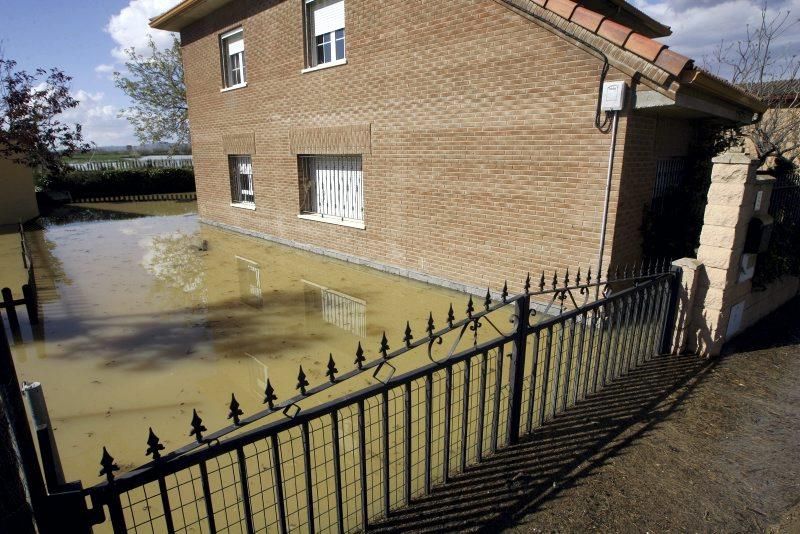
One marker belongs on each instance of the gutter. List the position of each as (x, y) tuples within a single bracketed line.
[(710, 84)]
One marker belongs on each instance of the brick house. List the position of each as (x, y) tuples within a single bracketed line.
[(454, 141)]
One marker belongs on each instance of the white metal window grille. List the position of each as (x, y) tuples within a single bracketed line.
[(326, 31), (249, 282), (232, 45), (241, 172), (332, 186)]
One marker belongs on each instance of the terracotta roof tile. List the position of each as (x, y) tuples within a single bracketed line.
[(644, 46), (614, 32), (587, 18), (562, 8), (673, 62)]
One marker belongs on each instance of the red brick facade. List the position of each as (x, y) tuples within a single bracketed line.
[(484, 160)]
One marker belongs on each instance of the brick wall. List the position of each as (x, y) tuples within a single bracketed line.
[(484, 162)]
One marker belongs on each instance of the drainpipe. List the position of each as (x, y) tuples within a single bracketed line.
[(604, 226)]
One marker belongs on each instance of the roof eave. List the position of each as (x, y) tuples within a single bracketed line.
[(183, 14), (709, 84)]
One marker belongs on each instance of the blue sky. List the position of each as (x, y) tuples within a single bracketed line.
[(86, 38)]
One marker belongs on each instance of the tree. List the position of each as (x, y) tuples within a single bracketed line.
[(30, 132), (154, 82), (762, 64)]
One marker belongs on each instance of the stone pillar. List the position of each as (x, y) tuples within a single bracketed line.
[(721, 287), (690, 275)]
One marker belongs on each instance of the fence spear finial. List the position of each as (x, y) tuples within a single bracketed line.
[(235, 410), (384, 350), (197, 427), (470, 307), (504, 294), (541, 282), (408, 337), (555, 279), (302, 383), (487, 301), (566, 278), (589, 277), (578, 277), (269, 395), (332, 370), (431, 327), (451, 316), (527, 287), (154, 446), (107, 461), (360, 359)]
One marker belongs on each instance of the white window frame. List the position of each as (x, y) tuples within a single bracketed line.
[(234, 66), (242, 182), (335, 34)]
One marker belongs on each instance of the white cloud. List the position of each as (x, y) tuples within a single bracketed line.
[(100, 120), (129, 28), (699, 26)]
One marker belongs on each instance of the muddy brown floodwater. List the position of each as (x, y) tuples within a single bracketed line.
[(140, 326)]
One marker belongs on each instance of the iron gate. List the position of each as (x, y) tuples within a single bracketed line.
[(509, 366)]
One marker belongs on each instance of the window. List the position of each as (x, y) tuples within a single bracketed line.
[(670, 175), (232, 45), (241, 171), (325, 30), (332, 188)]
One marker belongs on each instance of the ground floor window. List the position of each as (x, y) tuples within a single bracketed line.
[(332, 187), (241, 172), (670, 173)]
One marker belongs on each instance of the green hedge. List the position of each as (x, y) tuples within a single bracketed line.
[(146, 181)]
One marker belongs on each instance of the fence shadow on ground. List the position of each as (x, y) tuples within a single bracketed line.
[(518, 480)]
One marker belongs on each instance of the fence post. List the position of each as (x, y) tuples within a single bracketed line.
[(515, 378), (669, 325), (14, 408)]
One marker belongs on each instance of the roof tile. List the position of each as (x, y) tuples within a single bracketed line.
[(562, 8), (672, 62), (644, 46), (614, 32), (587, 18)]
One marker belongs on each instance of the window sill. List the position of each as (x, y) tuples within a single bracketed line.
[(325, 66), (233, 87), (244, 205), (350, 223)]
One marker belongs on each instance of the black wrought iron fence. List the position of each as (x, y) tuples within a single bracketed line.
[(785, 200), (29, 297), (445, 400)]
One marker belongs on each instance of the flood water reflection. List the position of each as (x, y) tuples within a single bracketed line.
[(148, 316)]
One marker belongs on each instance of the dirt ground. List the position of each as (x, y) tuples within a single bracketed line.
[(680, 445)]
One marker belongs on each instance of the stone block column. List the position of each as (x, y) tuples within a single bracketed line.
[(731, 202)]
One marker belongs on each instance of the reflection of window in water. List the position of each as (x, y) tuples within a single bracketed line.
[(259, 373), (249, 282), (341, 310)]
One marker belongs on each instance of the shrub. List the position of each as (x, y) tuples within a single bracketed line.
[(146, 181)]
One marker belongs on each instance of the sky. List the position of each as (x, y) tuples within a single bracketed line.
[(86, 39)]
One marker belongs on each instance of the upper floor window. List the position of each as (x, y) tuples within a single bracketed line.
[(232, 46), (325, 31)]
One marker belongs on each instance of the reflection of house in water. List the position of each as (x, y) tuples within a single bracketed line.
[(249, 282), (341, 310)]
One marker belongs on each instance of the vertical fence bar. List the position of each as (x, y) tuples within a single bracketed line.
[(498, 384), (212, 525), (115, 511), (605, 317), (248, 512), (628, 305), (557, 368), (568, 370), (465, 414), (162, 489), (545, 375), (481, 407), (428, 432), (278, 482), (592, 322), (362, 453), (11, 312), (448, 392), (385, 436), (337, 470), (669, 323), (407, 442), (517, 369), (307, 476), (534, 371)]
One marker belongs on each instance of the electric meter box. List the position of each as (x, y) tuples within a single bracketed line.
[(613, 96)]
